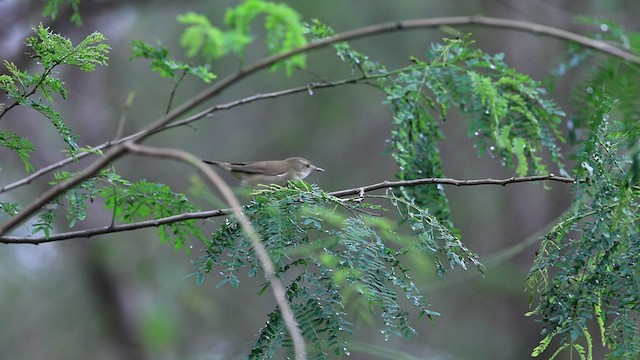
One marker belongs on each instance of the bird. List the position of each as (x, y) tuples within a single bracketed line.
[(269, 171)]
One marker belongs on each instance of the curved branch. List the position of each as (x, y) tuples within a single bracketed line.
[(216, 181), (224, 212), (218, 87)]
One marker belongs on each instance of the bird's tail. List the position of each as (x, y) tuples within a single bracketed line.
[(220, 164)]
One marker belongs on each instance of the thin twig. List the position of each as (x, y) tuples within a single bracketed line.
[(174, 90), (448, 181), (224, 212), (123, 116), (216, 181)]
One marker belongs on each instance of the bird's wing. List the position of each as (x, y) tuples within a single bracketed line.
[(257, 167)]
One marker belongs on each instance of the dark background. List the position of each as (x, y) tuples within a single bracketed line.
[(126, 296)]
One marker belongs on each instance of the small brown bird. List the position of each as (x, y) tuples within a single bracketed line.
[(268, 172)]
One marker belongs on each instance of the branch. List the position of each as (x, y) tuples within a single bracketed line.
[(115, 228), (447, 181), (216, 181), (224, 212), (218, 87)]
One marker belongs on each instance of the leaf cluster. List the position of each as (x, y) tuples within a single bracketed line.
[(36, 90), (586, 269), (334, 252), (509, 115), (167, 67), (143, 200), (284, 28)]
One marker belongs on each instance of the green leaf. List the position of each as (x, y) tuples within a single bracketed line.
[(201, 37), (143, 200), (21, 145), (52, 49), (285, 32), (162, 64)]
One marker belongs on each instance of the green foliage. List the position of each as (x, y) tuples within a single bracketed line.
[(44, 221), (50, 50), (145, 200), (129, 203), (78, 197), (74, 201), (8, 208), (285, 32), (201, 37), (508, 113), (162, 64), (21, 145), (594, 275), (51, 9), (586, 269), (343, 255)]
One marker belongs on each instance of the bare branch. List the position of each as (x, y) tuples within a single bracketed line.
[(123, 117), (115, 228), (261, 252), (448, 181), (224, 212)]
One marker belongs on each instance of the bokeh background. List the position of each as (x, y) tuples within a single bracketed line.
[(127, 296)]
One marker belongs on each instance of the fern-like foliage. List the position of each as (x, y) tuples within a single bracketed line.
[(144, 200), (167, 67), (508, 113), (36, 90), (586, 269), (22, 146), (128, 202), (594, 275), (340, 254), (284, 30)]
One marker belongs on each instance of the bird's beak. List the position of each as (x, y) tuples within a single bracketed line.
[(317, 168)]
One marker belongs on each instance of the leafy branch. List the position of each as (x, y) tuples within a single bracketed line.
[(50, 50)]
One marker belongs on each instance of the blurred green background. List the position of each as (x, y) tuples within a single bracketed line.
[(126, 296)]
